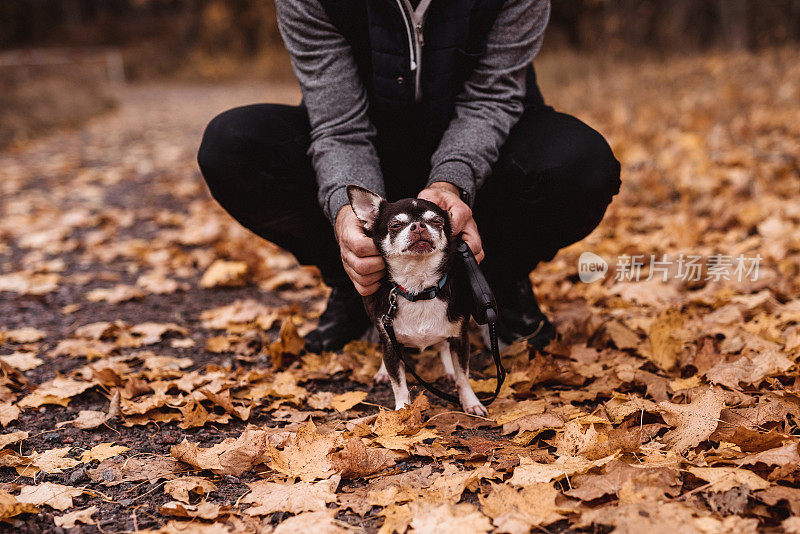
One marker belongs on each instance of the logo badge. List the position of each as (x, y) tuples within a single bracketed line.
[(591, 267)]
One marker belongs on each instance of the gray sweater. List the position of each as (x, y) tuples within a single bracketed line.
[(342, 136)]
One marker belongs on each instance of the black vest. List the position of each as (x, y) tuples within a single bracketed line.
[(455, 36)]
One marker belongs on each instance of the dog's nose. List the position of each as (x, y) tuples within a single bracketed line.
[(415, 227)]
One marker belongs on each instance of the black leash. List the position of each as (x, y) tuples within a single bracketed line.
[(484, 311)]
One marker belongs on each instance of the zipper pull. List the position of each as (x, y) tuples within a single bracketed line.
[(413, 65), (420, 38)]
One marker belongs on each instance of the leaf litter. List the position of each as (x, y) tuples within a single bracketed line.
[(153, 375)]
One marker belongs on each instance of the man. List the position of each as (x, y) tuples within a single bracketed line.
[(429, 98)]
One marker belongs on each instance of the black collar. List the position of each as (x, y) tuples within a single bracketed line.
[(428, 293)]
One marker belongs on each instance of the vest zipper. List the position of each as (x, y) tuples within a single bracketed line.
[(416, 41)]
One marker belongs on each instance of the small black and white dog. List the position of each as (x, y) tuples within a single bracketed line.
[(413, 236)]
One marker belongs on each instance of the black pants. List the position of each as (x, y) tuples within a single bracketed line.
[(549, 188)]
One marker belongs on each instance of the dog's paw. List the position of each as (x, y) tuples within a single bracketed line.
[(450, 377), (382, 376), (477, 409)]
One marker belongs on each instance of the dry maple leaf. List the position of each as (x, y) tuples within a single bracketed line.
[(748, 370), (356, 460), (345, 401), (306, 456), (52, 461), (12, 437), (26, 334), (665, 342), (115, 295), (203, 510), (530, 472), (224, 273), (8, 412), (464, 518), (179, 488), (103, 451), (322, 522), (59, 390), (10, 506), (786, 455), (289, 342), (48, 494), (272, 497), (617, 473), (71, 519), (693, 422), (230, 457), (22, 361), (725, 478), (516, 511)]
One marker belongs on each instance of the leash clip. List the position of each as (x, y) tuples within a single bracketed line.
[(388, 317)]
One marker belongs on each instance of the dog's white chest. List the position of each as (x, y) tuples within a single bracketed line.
[(423, 323)]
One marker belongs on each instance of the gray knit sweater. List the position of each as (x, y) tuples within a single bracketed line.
[(342, 136)]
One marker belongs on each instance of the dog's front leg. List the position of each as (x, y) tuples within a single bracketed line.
[(459, 349), (397, 375)]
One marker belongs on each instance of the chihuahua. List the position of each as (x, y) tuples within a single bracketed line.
[(413, 236)]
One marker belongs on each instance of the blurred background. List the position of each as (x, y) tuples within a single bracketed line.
[(58, 57)]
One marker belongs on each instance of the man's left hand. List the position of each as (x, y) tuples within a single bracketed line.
[(445, 195)]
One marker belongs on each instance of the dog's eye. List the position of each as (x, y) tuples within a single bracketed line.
[(436, 223), (395, 226)]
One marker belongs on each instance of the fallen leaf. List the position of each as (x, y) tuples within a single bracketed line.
[(179, 488), (10, 506), (345, 401), (224, 273), (103, 451), (516, 511), (693, 422), (272, 497), (230, 457), (356, 460), (55, 496), (78, 516), (22, 361)]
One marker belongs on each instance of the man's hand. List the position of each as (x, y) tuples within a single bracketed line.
[(361, 259), (445, 195)]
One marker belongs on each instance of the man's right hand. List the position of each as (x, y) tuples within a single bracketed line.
[(361, 259)]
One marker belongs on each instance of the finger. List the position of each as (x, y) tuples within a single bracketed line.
[(363, 247), (368, 280), (459, 217), (365, 290), (364, 266)]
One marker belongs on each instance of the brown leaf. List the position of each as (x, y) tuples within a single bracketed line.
[(272, 497), (463, 518), (179, 488), (48, 494), (725, 478), (665, 340), (356, 460), (115, 295), (617, 473), (103, 451), (10, 506), (59, 390), (224, 273), (78, 516), (306, 456), (203, 510), (748, 370), (785, 455), (693, 422), (230, 457), (516, 511)]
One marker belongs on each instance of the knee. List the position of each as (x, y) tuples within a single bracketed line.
[(591, 168), (223, 149)]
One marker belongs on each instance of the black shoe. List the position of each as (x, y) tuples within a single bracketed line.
[(343, 320), (520, 315)]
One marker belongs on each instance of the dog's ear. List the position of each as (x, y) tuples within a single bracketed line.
[(365, 203)]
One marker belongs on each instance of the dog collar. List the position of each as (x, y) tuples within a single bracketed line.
[(426, 294)]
